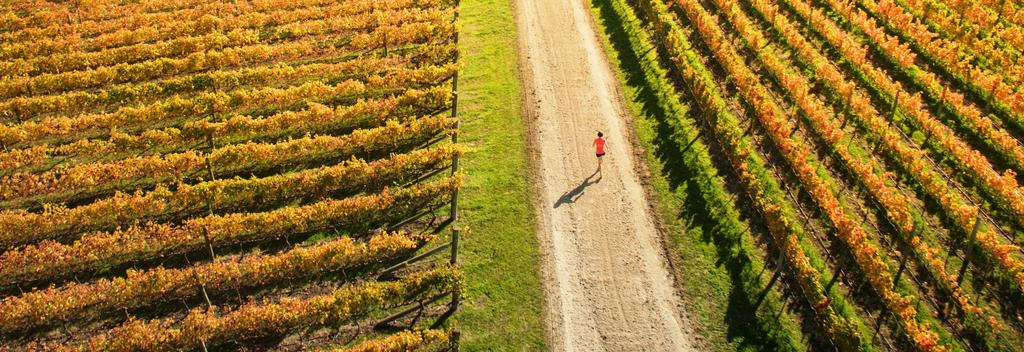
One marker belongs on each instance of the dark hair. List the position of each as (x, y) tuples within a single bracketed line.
[(599, 134)]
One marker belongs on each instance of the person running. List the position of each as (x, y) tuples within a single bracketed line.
[(599, 146)]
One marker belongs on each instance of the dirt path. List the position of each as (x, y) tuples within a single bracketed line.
[(607, 283)]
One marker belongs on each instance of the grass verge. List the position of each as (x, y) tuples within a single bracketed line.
[(503, 304)]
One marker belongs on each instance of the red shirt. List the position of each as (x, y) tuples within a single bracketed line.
[(599, 143)]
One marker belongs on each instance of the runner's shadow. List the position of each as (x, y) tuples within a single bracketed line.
[(576, 193)]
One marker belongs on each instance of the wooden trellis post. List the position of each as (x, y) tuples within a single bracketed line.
[(832, 282), (454, 215), (778, 270), (202, 286), (899, 272), (456, 297), (903, 259), (456, 336), (209, 243), (455, 247), (892, 108), (970, 248)]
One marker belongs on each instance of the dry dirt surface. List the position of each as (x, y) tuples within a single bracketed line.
[(607, 282)]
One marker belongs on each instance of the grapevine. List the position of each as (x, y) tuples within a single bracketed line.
[(183, 174), (317, 118), (897, 206), (914, 159), (799, 156), (90, 179), (100, 250), (56, 222), (407, 34), (425, 340), (24, 108), (67, 128), (261, 319), (200, 20), (343, 26), (785, 230), (139, 289)]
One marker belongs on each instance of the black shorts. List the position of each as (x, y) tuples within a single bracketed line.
[(600, 155)]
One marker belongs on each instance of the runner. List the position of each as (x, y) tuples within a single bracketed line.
[(599, 145)]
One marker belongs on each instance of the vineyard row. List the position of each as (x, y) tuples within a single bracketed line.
[(786, 232), (89, 180), (71, 128), (26, 108), (97, 251), (139, 289), (204, 22), (315, 46), (263, 319), (19, 227), (314, 119)]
